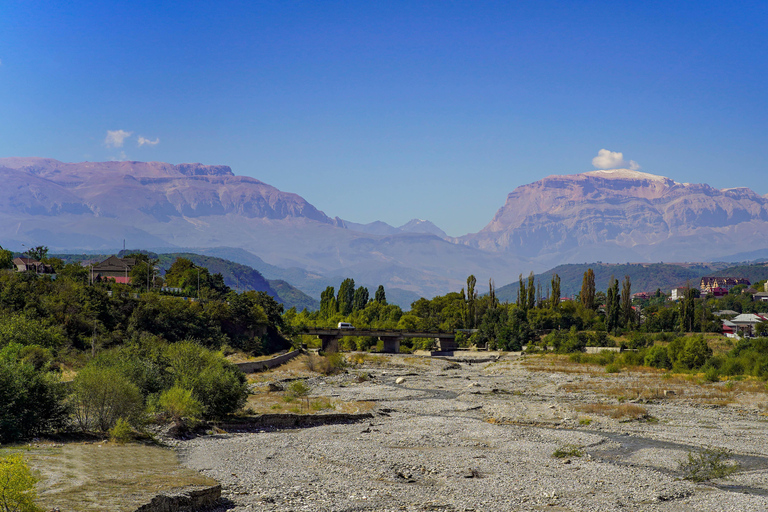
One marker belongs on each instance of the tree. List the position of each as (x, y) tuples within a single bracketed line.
[(531, 292), (555, 300), (346, 297), (627, 313), (328, 306), (17, 485), (522, 295), (587, 294), (31, 400), (612, 305), (37, 253), (687, 309), (381, 296), (471, 302), (101, 396), (492, 293), (360, 299), (6, 258)]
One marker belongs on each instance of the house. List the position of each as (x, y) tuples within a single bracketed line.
[(24, 264), (760, 296), (746, 322), (715, 292), (707, 284), (642, 296), (730, 329), (117, 269), (678, 293)]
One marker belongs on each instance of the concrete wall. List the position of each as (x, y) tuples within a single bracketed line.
[(597, 350), (287, 420), (191, 500), (257, 366)]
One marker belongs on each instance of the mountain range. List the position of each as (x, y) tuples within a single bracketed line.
[(610, 216)]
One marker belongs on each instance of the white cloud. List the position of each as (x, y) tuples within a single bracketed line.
[(613, 160), (115, 138), (148, 142), (119, 158)]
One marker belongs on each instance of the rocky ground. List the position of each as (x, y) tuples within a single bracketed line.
[(459, 436)]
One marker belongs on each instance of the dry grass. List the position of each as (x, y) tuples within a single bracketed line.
[(281, 402), (622, 411), (550, 363), (104, 476)]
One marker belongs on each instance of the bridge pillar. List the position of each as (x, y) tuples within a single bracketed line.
[(446, 344), (391, 344), (329, 342)]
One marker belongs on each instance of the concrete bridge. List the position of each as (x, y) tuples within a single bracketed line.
[(391, 337)]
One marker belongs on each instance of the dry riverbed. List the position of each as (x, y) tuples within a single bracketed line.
[(460, 436)]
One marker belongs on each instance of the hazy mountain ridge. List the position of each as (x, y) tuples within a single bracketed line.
[(624, 215), (98, 205)]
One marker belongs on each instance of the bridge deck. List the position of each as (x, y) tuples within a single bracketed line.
[(379, 333)]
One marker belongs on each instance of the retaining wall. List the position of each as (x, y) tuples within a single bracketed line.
[(257, 366), (286, 420)]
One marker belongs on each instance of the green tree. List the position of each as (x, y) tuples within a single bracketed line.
[(522, 294), (102, 395), (471, 302), (37, 253), (17, 485), (346, 296), (612, 305), (31, 400), (6, 258), (531, 301), (627, 313), (381, 296), (360, 299), (328, 304), (587, 294), (555, 300)]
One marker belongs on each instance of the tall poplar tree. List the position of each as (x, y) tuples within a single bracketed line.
[(346, 296), (381, 296), (587, 293), (522, 295), (627, 314), (328, 306), (612, 305), (555, 300), (360, 299), (471, 296), (531, 292)]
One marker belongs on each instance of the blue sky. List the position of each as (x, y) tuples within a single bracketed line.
[(393, 110)]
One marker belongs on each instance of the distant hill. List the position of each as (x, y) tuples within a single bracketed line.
[(645, 277), (754, 272), (241, 278)]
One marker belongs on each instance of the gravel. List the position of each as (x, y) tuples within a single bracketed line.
[(480, 437)]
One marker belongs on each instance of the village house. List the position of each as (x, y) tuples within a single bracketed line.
[(25, 264), (678, 293), (745, 323), (114, 268)]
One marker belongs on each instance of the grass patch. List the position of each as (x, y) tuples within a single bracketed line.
[(707, 464), (569, 450), (105, 476)]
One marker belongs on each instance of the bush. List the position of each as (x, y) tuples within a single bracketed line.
[(179, 403), (17, 485), (695, 353), (31, 401), (100, 396), (706, 465), (569, 450), (657, 357), (121, 433), (218, 385)]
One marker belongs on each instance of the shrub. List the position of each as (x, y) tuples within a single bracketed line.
[(215, 382), (17, 485), (612, 368), (121, 433), (569, 450), (706, 465), (695, 353), (31, 401), (657, 357), (712, 374), (179, 403), (100, 396)]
